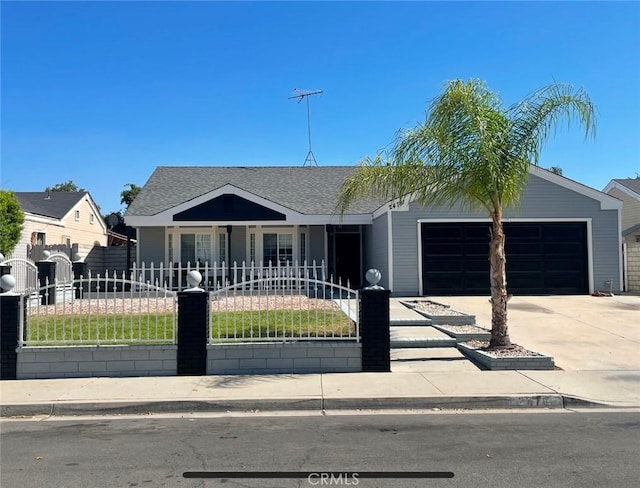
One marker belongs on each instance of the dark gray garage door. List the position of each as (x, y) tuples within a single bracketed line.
[(542, 258)]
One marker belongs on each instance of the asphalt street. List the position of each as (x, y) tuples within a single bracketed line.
[(502, 449)]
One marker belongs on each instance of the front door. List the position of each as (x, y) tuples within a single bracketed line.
[(347, 259)]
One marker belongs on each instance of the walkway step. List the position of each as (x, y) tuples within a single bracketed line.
[(430, 359), (409, 322), (426, 342), (419, 337)]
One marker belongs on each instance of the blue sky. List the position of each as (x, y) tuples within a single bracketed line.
[(103, 92)]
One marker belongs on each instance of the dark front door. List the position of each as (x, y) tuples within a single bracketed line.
[(347, 259), (542, 258)]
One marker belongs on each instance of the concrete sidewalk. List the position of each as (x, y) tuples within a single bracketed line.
[(595, 342)]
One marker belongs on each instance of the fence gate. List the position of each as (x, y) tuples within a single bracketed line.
[(26, 274), (64, 267)]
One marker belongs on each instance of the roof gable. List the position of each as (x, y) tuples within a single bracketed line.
[(228, 207), (55, 204), (629, 186)]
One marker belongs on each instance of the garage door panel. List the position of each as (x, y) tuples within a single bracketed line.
[(444, 249), (518, 248), (561, 249), (542, 258), (524, 264)]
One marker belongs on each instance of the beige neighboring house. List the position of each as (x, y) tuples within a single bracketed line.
[(60, 218), (628, 190)]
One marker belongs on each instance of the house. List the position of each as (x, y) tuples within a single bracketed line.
[(60, 219), (563, 239), (628, 190)]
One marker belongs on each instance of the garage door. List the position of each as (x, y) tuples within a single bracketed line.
[(542, 258)]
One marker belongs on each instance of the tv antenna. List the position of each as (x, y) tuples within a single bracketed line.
[(305, 94)]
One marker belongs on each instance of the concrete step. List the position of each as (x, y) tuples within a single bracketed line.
[(419, 337), (430, 360), (409, 321)]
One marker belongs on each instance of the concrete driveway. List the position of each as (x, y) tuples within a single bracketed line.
[(582, 333)]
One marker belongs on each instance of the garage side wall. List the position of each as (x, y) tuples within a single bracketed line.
[(543, 200)]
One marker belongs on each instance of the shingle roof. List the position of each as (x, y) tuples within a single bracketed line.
[(631, 183), (55, 204), (308, 190)]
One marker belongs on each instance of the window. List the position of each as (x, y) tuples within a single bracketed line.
[(277, 248), (38, 238), (195, 248), (77, 214), (170, 247)]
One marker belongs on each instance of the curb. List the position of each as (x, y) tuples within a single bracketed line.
[(546, 401)]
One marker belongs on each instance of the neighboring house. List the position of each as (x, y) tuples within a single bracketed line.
[(60, 218), (564, 238), (628, 190)]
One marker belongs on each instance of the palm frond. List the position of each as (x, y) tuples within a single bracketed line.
[(537, 116)]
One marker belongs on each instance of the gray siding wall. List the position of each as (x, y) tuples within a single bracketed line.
[(151, 245), (316, 243), (541, 200), (239, 244), (375, 248)]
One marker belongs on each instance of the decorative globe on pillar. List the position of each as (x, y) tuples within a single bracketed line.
[(373, 276), (7, 283), (193, 280), (46, 255)]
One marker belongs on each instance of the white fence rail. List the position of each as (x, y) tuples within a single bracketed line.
[(99, 310), (216, 275), (284, 308)]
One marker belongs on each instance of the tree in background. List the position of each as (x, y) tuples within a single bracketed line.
[(128, 195), (67, 186), (11, 220), (472, 151), (556, 170)]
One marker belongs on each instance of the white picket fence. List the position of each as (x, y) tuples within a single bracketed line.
[(218, 275)]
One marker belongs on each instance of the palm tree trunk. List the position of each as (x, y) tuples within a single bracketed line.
[(498, 281)]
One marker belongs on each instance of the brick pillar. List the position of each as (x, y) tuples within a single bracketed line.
[(193, 322), (373, 311), (80, 271), (47, 276), (9, 331)]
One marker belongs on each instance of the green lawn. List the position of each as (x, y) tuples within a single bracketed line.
[(103, 329), (158, 328), (281, 323)]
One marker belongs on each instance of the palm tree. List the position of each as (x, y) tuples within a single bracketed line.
[(472, 151)]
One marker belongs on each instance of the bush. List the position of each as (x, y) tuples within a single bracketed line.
[(11, 220)]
